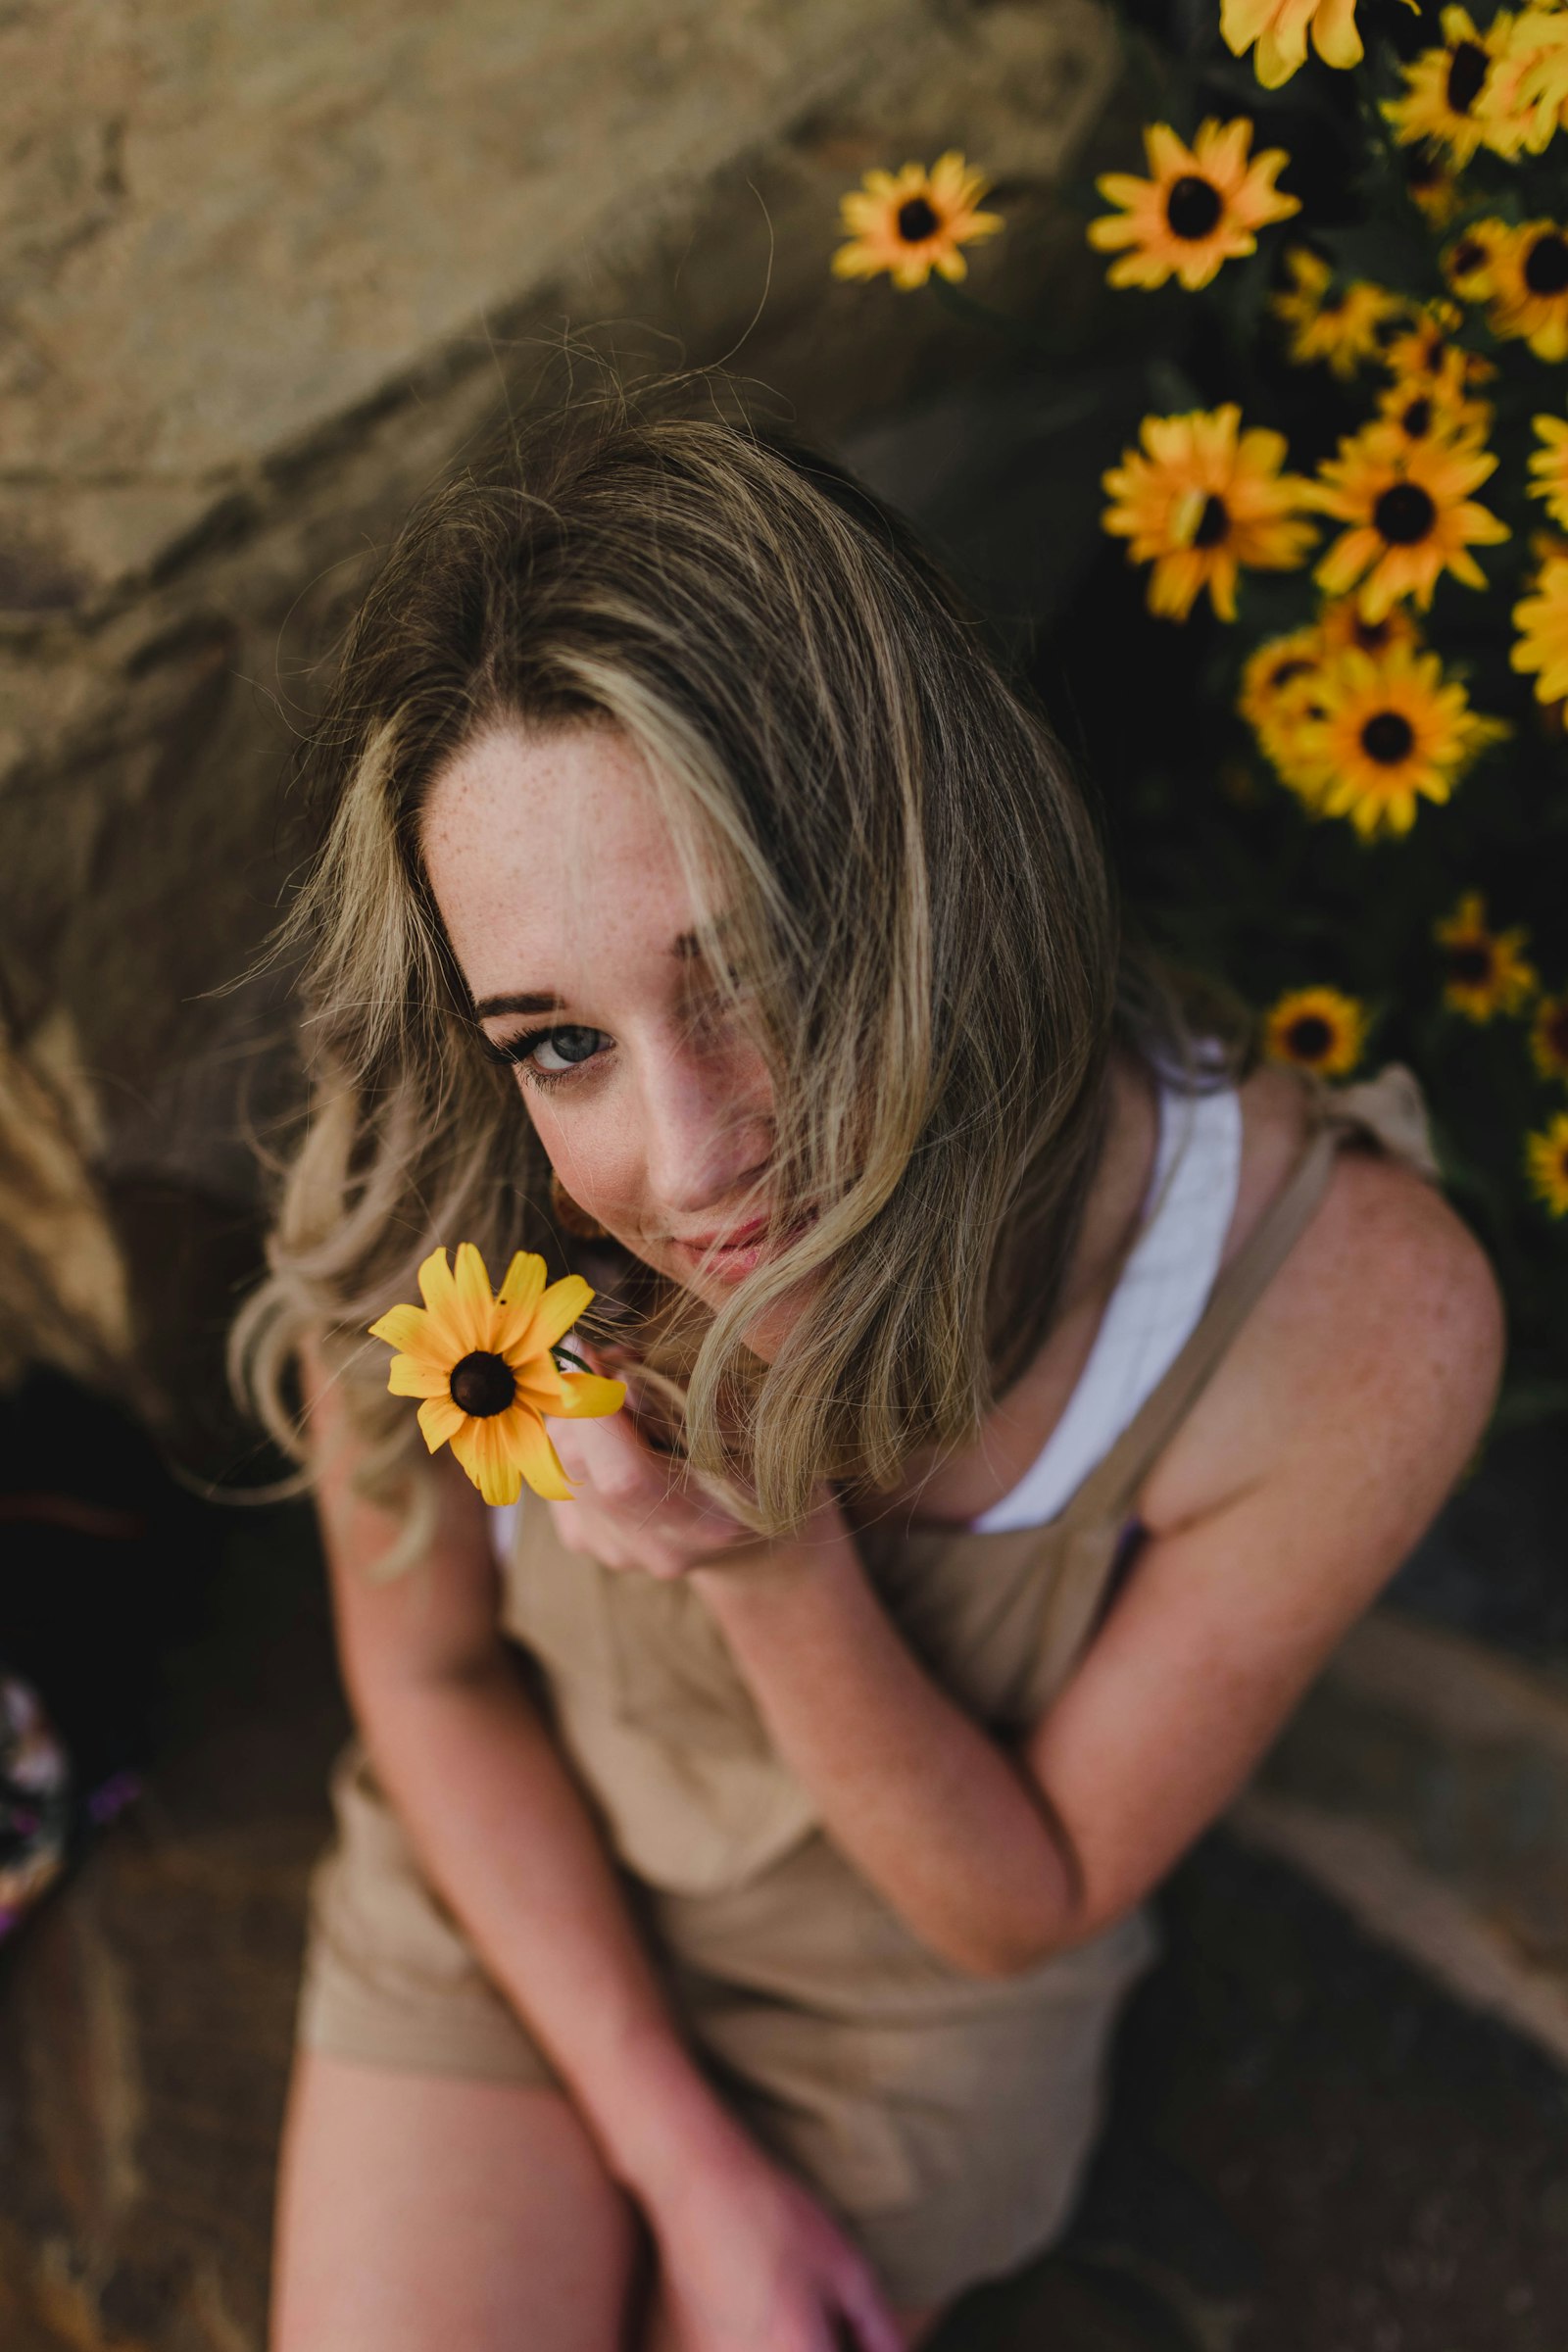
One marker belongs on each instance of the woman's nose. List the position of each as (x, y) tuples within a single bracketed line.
[(710, 1130)]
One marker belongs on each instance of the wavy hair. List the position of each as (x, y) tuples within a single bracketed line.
[(916, 897)]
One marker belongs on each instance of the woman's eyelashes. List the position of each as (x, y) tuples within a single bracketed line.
[(566, 1050)]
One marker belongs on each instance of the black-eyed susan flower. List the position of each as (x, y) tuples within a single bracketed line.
[(1549, 1037), (1202, 500), (1550, 466), (1435, 406), (1432, 187), (1340, 622), (1530, 288), (1525, 100), (914, 221), (1279, 28), (1385, 734), (1342, 324), (1547, 1163), (1443, 87), (1541, 619), (1317, 1029), (484, 1367), (1485, 971), (1202, 206), (1274, 697), (1410, 517), (1469, 263)]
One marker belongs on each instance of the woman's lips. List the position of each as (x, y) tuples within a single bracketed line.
[(732, 1260)]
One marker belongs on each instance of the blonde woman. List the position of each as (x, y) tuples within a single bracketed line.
[(740, 1867)]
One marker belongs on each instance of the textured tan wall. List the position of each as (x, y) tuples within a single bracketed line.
[(264, 269)]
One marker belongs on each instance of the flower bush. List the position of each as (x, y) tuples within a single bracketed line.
[(1347, 502)]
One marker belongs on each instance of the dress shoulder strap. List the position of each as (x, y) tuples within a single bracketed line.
[(1391, 1109)]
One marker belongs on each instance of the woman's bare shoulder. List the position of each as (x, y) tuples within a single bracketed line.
[(1385, 1316)]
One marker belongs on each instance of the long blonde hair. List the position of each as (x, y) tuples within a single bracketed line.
[(917, 896)]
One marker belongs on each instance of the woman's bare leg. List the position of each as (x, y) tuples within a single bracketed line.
[(915, 2323), (416, 2212)]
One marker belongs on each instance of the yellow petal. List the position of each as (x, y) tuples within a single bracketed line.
[(407, 1376), (410, 1329), (584, 1396), (494, 1474), (553, 1316), (440, 1295), (526, 1280), (476, 1300), (528, 1449), (440, 1418)]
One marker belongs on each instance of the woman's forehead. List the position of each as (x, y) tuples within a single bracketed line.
[(554, 847)]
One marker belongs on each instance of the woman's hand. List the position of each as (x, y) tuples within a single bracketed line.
[(635, 1507), (750, 2262)]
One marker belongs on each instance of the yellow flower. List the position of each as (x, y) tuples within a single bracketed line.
[(1550, 466), (1199, 211), (914, 223), (1276, 695), (1547, 1163), (1316, 1029), (1385, 733), (1469, 263), (1199, 501), (1430, 187), (1487, 973), (1442, 87), (1279, 28), (1541, 620), (484, 1369), (1435, 406), (1343, 327), (1525, 100), (1530, 288), (1409, 514), (1340, 622), (1549, 1037)]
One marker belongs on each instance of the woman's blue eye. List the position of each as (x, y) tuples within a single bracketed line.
[(571, 1046), (547, 1054)]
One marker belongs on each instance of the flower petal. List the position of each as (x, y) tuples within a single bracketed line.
[(441, 1418), (413, 1330), (553, 1316), (440, 1295), (476, 1300), (407, 1376)]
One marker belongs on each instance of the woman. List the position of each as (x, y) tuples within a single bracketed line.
[(740, 1867)]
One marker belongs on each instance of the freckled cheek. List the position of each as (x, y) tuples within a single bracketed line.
[(598, 1159)]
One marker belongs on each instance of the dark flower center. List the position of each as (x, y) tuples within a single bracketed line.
[(482, 1385), (1388, 738), (1288, 670), (1193, 207), (1309, 1037), (1404, 514), (1467, 71), (1545, 269), (1213, 523), (1418, 418), (917, 221), (1467, 255), (1471, 965), (1370, 634)]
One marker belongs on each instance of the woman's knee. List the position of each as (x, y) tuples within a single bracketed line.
[(415, 2210)]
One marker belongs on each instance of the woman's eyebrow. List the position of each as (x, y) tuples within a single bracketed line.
[(527, 1002), (687, 945)]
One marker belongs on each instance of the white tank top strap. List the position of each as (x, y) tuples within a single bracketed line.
[(1156, 1303)]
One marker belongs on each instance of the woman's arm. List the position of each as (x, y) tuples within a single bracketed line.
[(497, 1821), (1341, 1418)]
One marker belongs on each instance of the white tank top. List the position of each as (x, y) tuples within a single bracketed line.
[(1148, 1319)]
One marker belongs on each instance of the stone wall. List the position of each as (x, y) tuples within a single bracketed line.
[(264, 272)]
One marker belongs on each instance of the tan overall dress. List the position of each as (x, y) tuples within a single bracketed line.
[(945, 2118)]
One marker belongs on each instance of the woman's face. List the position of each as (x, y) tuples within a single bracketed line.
[(592, 971)]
